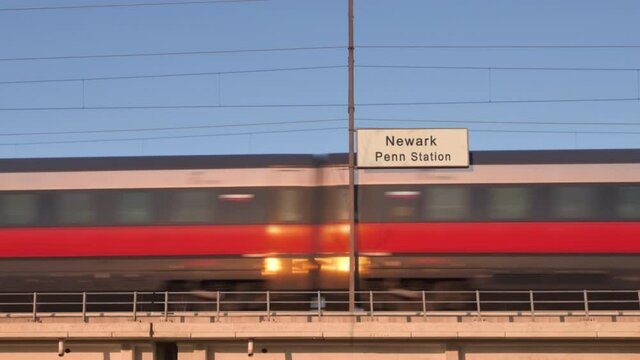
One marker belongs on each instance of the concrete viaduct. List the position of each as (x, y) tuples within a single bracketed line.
[(445, 336)]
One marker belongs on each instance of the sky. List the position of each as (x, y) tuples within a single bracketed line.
[(218, 100)]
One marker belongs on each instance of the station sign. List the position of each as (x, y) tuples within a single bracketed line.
[(413, 148)]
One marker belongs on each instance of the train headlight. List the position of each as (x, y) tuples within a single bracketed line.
[(271, 266), (341, 264)]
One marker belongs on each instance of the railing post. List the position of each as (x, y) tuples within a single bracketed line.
[(424, 304), (166, 305), (532, 304), (639, 298), (217, 305), (371, 303), (135, 305), (268, 306), (586, 303), (478, 302), (533, 309), (35, 306), (319, 301), (84, 306)]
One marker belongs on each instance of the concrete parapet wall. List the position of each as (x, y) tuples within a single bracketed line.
[(330, 350), (335, 328), (345, 337)]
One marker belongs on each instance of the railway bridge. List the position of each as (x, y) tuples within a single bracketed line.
[(132, 326)]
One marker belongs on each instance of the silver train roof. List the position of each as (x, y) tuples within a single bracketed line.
[(609, 156)]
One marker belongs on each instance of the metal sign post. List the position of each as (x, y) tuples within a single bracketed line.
[(353, 266)]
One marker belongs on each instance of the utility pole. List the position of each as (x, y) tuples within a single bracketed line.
[(353, 258)]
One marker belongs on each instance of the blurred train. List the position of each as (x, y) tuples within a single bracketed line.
[(518, 219)]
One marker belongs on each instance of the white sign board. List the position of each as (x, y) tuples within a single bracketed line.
[(380, 148)]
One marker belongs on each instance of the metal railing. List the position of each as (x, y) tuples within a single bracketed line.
[(218, 304)]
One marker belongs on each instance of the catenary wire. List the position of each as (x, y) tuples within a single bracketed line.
[(206, 73), (558, 131), (303, 68), (524, 122), (168, 137), (125, 5), (306, 48), (526, 68), (103, 131), (151, 107), (466, 102), (498, 46), (193, 127), (299, 130), (172, 53), (471, 102)]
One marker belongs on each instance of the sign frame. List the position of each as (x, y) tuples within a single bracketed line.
[(358, 166)]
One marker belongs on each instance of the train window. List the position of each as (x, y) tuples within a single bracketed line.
[(447, 203), (76, 208), (241, 206), (134, 207), (509, 203), (628, 202), (190, 206), (401, 205), (18, 209), (288, 206), (335, 202), (573, 202)]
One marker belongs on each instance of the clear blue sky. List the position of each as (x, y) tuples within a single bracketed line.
[(311, 23)]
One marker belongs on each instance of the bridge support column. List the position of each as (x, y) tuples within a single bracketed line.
[(452, 352), (127, 352), (192, 351)]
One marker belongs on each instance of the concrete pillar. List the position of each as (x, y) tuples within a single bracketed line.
[(452, 352), (127, 352), (188, 351), (200, 352)]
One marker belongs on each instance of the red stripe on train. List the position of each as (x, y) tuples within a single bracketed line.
[(511, 237), (155, 240), (395, 238)]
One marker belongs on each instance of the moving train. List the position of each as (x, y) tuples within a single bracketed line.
[(512, 220)]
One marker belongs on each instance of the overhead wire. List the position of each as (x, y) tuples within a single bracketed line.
[(304, 48), (205, 73), (475, 102), (499, 46), (306, 68), (524, 122), (525, 68), (302, 105), (557, 131), (172, 53), (193, 127), (208, 52), (152, 107), (126, 5), (167, 137), (296, 130)]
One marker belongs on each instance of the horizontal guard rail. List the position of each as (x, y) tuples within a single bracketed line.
[(319, 303)]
